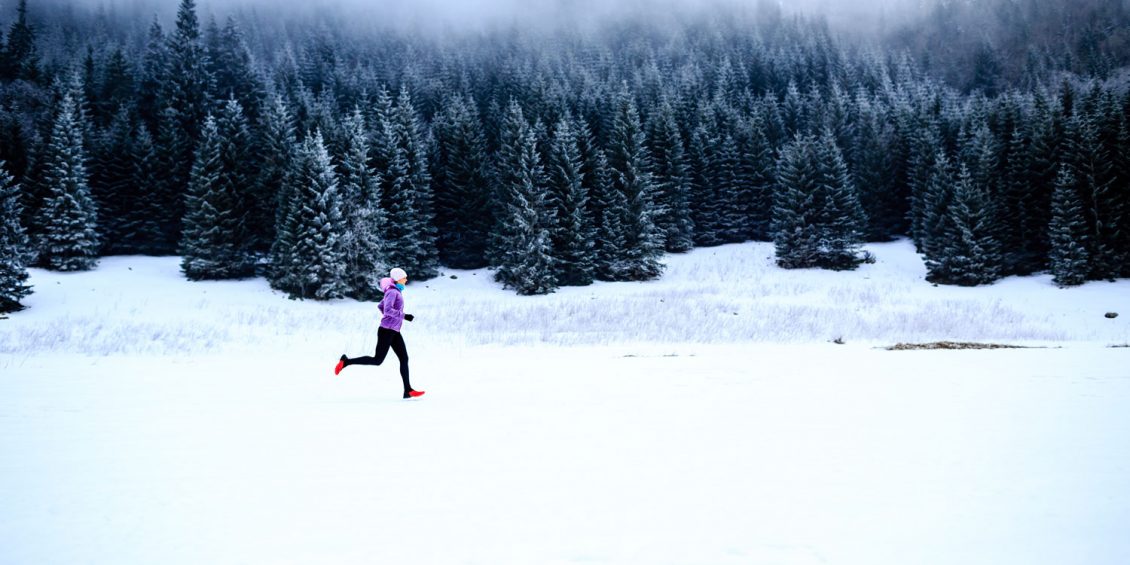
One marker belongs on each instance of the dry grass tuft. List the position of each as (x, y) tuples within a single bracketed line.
[(952, 345)]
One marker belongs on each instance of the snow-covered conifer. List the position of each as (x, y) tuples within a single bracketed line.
[(69, 217), (311, 257), (630, 166), (361, 209), (523, 246), (573, 234), (1067, 233), (13, 246)]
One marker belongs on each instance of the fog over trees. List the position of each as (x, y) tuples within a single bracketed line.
[(318, 144)]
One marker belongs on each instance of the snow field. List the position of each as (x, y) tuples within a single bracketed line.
[(146, 419), (777, 454)]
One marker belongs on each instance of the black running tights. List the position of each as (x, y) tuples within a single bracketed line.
[(387, 339)]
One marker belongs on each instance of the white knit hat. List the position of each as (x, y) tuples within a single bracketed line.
[(398, 274)]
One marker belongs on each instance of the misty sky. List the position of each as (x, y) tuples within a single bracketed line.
[(479, 14)]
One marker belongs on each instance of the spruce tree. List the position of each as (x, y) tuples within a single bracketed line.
[(796, 234), (672, 181), (706, 202), (362, 213), (523, 246), (142, 223), (151, 88), (923, 147), (69, 217), (311, 260), (970, 252), (212, 246), (573, 233), (1067, 232), (13, 246), (412, 234), (936, 199), (232, 69), (462, 186), (1122, 190), (206, 248), (187, 84), (755, 179), (1020, 238), (841, 215), (238, 172), (276, 145), (817, 218), (606, 206), (875, 171), (167, 184), (630, 166), (609, 208), (112, 182), (1092, 168), (733, 197), (20, 52)]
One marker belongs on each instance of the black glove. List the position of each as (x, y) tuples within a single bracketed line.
[(409, 317)]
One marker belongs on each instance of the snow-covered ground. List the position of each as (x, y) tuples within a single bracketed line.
[(705, 418)]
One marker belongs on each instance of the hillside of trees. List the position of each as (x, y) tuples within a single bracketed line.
[(319, 156)]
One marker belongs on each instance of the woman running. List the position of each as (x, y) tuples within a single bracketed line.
[(388, 336)]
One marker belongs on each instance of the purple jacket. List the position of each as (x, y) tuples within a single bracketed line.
[(392, 305)]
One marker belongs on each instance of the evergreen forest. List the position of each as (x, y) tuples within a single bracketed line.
[(995, 134)]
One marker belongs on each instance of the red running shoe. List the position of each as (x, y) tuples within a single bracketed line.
[(414, 394), (340, 365)]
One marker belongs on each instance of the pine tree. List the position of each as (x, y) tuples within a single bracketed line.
[(1022, 242), (755, 177), (238, 172), (276, 145), (672, 181), (69, 217), (142, 224), (1092, 168), (937, 198), (412, 234), (311, 253), (1121, 189), (187, 84), (462, 186), (112, 182), (817, 218), (150, 99), (924, 145), (13, 246), (1067, 233), (523, 246), (232, 68), (363, 216), (606, 206), (875, 172), (206, 246), (732, 197), (970, 254), (609, 209), (573, 233), (706, 208), (212, 247), (20, 52), (167, 184), (796, 234), (630, 166), (841, 214)]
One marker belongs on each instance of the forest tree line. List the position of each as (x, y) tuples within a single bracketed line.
[(320, 158)]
